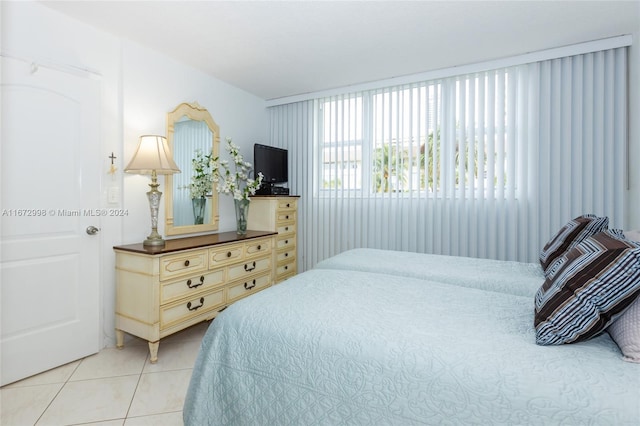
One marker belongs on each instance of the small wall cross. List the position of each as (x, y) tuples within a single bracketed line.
[(113, 168)]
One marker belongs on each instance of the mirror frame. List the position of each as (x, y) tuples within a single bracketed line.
[(194, 112)]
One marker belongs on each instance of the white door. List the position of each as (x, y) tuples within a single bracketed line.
[(50, 156)]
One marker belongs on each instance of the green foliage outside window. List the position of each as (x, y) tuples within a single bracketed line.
[(389, 162), (393, 164)]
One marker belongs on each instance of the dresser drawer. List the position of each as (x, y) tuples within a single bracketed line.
[(286, 216), (250, 267), (286, 268), (281, 278), (183, 287), (284, 256), (245, 288), (285, 241), (286, 229), (258, 248), (225, 255), (185, 309), (184, 263), (284, 204)]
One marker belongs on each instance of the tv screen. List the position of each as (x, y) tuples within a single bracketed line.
[(272, 162)]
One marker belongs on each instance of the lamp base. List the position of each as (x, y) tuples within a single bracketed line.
[(154, 241)]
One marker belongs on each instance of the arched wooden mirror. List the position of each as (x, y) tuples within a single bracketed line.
[(192, 134)]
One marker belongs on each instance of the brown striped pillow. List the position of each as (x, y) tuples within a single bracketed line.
[(570, 235), (586, 289)]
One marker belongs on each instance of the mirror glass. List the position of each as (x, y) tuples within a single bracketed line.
[(192, 135)]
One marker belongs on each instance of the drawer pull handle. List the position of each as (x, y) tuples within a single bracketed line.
[(259, 247), (228, 254), (286, 241), (287, 217), (195, 308), (286, 267), (248, 268), (288, 205), (286, 255), (249, 287), (186, 262), (286, 228), (189, 282)]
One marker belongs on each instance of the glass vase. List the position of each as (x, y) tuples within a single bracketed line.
[(198, 205), (242, 214)]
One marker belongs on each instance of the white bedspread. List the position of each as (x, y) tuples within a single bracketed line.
[(335, 347), (521, 279)]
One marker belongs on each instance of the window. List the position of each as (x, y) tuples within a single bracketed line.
[(442, 137)]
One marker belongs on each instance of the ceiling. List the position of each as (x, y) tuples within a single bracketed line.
[(275, 49)]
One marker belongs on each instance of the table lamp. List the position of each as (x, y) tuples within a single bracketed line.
[(152, 157)]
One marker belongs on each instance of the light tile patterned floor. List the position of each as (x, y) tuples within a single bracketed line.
[(112, 387)]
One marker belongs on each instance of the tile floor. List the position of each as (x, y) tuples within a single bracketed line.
[(112, 387)]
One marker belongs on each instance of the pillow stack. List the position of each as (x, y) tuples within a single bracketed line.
[(592, 279)]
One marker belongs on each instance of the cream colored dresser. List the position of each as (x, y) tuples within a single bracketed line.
[(278, 214), (160, 291)]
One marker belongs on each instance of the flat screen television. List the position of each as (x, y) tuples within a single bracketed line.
[(273, 163)]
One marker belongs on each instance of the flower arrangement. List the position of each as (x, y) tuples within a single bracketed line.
[(236, 182), (204, 169), (209, 169)]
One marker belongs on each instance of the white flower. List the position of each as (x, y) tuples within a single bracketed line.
[(205, 169), (237, 182)]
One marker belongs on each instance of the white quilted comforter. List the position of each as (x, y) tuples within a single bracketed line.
[(340, 347)]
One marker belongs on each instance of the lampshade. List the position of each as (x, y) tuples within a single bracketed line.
[(151, 155)]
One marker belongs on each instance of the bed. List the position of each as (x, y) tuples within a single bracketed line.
[(519, 278), (389, 338)]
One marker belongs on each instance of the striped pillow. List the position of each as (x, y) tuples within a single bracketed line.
[(587, 288), (570, 235)]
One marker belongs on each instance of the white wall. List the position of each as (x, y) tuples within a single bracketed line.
[(139, 87)]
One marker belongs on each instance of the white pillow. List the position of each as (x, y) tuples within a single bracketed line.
[(625, 331)]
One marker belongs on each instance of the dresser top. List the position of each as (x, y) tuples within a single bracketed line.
[(178, 244), (275, 197)]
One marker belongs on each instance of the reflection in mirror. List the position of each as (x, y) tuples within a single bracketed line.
[(191, 205), (191, 141)]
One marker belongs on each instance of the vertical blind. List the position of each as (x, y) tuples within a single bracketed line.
[(486, 165)]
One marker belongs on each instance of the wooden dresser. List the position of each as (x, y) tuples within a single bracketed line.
[(160, 291), (278, 214)]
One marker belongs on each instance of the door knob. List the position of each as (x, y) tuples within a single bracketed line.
[(92, 230)]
